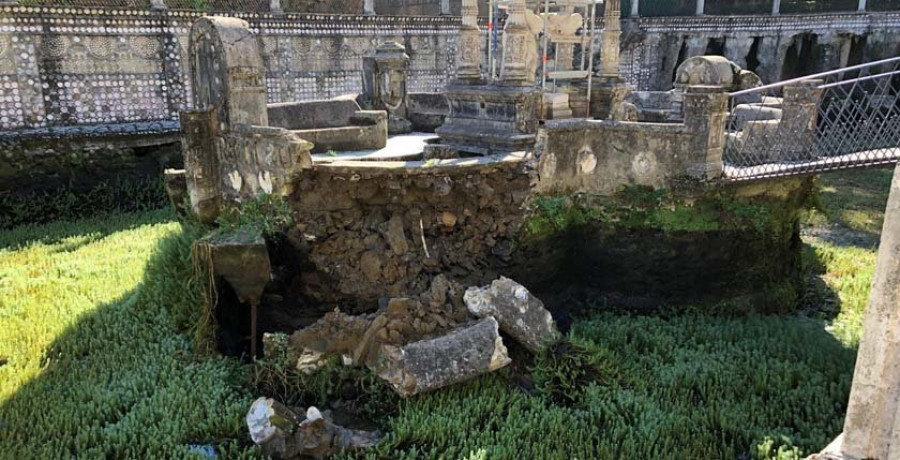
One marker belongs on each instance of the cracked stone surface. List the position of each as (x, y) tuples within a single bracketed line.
[(519, 313)]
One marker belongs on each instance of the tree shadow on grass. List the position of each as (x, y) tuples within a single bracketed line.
[(124, 381), (72, 235)]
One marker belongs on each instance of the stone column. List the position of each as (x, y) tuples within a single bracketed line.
[(636, 9), (776, 7), (565, 52), (517, 42), (609, 57), (606, 84), (800, 113), (705, 114), (445, 7), (369, 8), (701, 7), (872, 426), (862, 6), (158, 5), (468, 56)]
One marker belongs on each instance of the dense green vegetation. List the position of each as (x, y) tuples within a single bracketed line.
[(97, 359), (47, 206)]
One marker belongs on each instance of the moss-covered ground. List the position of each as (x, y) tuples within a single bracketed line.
[(97, 360)]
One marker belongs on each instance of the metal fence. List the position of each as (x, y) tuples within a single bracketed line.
[(834, 120)]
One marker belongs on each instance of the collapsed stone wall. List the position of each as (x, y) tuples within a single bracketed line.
[(368, 233)]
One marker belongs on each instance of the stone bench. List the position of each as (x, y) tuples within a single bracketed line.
[(332, 125)]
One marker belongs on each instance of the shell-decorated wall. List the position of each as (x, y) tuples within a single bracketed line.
[(67, 66)]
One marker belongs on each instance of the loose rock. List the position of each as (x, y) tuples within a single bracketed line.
[(427, 365), (519, 313), (282, 433)]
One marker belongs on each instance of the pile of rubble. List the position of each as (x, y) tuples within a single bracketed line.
[(417, 345)]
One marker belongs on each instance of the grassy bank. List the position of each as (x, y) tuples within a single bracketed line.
[(96, 360)]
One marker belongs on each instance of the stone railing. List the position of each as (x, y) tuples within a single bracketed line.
[(66, 66)]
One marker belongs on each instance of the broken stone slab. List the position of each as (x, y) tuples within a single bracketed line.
[(282, 433), (519, 313), (241, 258), (458, 356)]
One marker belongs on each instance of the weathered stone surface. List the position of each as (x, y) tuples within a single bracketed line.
[(230, 152), (384, 85), (519, 313), (241, 258), (282, 433), (872, 426), (392, 230), (176, 188), (427, 365)]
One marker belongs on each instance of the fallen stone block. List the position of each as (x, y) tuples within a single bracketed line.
[(282, 433), (519, 313), (427, 365)]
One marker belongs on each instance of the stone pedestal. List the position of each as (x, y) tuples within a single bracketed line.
[(384, 85), (490, 120), (555, 106), (606, 92)]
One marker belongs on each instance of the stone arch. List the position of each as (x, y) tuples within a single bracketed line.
[(228, 73)]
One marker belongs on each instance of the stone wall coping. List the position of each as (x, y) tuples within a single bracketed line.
[(93, 131), (433, 167)]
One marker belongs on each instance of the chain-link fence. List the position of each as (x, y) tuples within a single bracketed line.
[(835, 120)]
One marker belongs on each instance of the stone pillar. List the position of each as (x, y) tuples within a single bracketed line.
[(636, 8), (565, 52), (468, 57), (862, 6), (872, 426), (776, 7), (517, 42), (275, 7), (705, 113), (606, 83), (609, 57), (384, 85), (800, 113), (369, 7), (701, 7), (158, 5), (445, 7)]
